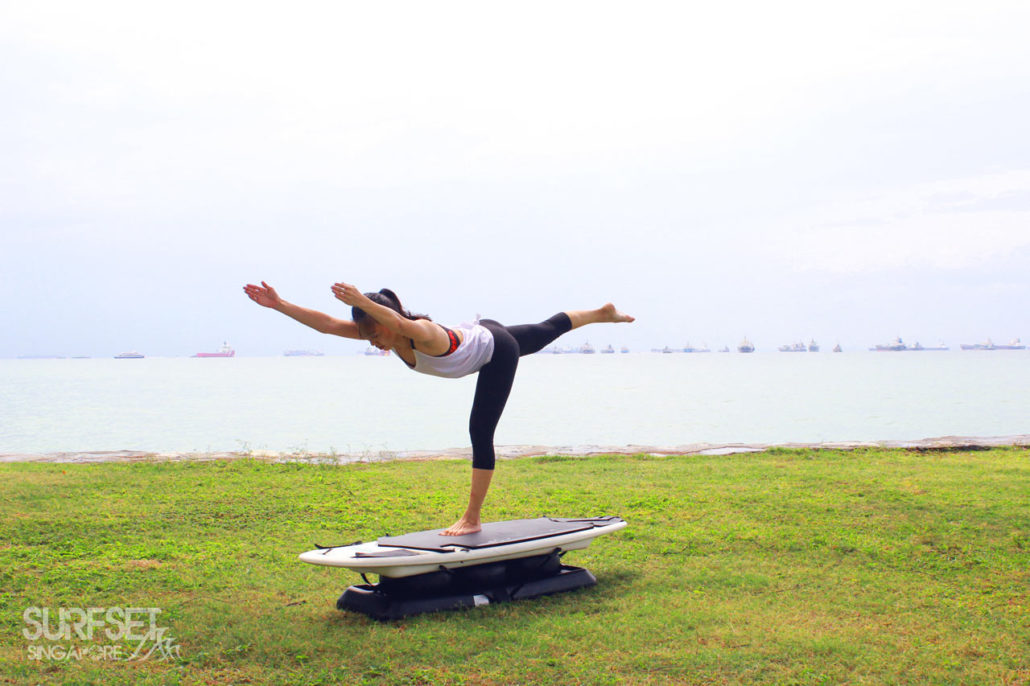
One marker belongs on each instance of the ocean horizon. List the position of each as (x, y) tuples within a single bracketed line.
[(373, 407)]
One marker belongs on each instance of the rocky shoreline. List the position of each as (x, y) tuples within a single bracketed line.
[(514, 452)]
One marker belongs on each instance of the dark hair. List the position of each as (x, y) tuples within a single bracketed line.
[(386, 298)]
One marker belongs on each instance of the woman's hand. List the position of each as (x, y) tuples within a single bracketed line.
[(348, 294), (263, 295)]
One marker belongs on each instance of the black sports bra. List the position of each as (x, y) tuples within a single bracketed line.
[(451, 336)]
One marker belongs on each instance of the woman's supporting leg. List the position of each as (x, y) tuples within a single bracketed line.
[(492, 389)]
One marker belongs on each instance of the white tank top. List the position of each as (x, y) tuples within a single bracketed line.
[(474, 351)]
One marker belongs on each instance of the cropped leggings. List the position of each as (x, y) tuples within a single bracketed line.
[(497, 375)]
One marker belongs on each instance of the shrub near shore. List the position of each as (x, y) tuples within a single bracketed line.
[(872, 566)]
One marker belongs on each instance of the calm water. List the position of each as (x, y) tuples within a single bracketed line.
[(374, 405)]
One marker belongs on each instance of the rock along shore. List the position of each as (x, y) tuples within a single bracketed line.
[(514, 452)]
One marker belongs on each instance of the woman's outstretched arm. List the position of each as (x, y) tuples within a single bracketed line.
[(266, 296)]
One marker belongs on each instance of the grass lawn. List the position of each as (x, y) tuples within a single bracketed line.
[(807, 567)]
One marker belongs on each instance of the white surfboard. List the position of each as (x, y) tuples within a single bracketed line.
[(428, 551)]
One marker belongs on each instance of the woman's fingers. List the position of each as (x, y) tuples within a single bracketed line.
[(346, 292), (263, 295)]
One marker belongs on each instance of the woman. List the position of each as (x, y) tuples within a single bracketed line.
[(489, 348)]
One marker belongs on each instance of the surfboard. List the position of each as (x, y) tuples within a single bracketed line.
[(428, 551)]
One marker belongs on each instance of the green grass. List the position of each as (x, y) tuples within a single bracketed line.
[(784, 567)]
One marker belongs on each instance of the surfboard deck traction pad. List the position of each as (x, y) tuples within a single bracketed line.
[(475, 585), (495, 533)]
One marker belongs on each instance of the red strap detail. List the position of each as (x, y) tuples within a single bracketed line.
[(454, 341)]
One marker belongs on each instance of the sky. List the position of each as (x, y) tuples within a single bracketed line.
[(844, 172)]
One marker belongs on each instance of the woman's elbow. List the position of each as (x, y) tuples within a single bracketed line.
[(341, 328)]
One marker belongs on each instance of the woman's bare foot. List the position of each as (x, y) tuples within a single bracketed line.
[(471, 521), (612, 315), (602, 315), (463, 526)]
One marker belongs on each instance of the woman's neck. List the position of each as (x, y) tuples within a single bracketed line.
[(405, 351)]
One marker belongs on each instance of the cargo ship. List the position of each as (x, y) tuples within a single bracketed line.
[(133, 355), (896, 345), (224, 351), (1015, 344)]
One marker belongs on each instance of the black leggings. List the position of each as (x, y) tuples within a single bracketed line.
[(497, 375)]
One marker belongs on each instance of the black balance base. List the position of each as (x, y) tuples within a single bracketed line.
[(451, 589)]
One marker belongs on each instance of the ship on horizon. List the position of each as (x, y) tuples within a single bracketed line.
[(898, 345), (1014, 344), (894, 346), (131, 355), (224, 351)]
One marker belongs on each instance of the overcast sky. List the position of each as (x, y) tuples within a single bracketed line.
[(784, 171)]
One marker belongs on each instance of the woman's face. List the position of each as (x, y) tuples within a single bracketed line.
[(381, 337)]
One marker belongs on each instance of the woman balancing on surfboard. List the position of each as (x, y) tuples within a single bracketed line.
[(487, 347)]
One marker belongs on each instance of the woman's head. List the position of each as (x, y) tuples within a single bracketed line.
[(387, 298)]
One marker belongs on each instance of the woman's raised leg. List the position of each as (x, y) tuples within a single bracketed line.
[(533, 338)]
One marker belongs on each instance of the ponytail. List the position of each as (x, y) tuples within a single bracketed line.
[(386, 298)]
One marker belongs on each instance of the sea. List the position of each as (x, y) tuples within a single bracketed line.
[(363, 406)]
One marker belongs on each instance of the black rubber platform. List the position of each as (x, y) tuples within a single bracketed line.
[(494, 582)]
